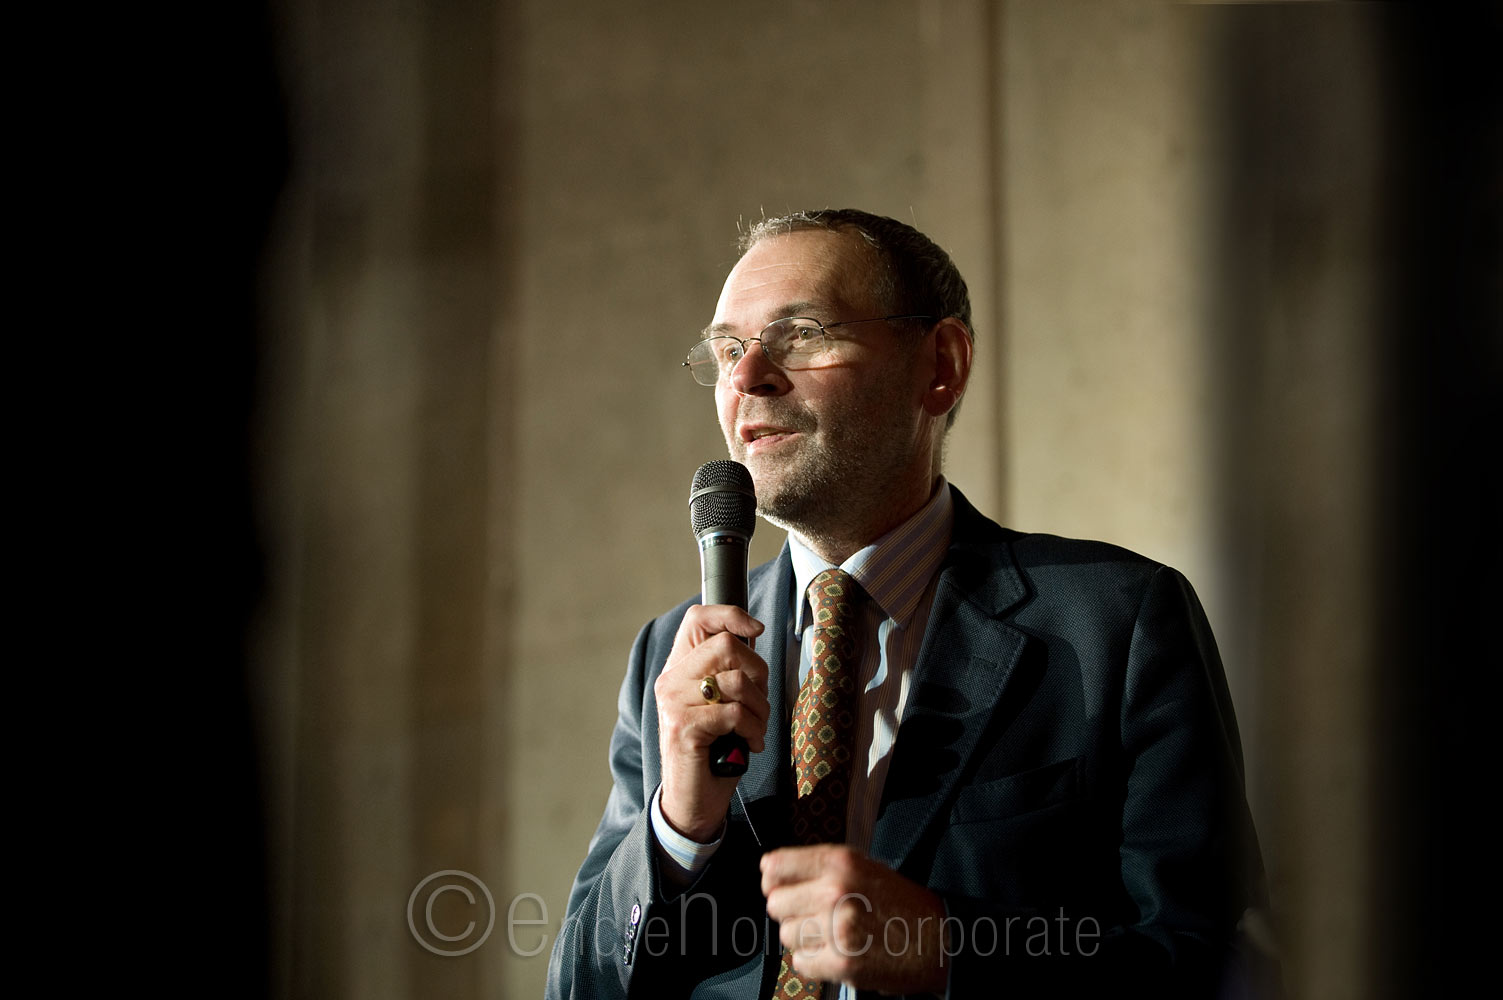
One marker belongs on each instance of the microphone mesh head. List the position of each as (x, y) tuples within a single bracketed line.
[(722, 498)]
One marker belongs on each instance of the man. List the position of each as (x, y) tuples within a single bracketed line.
[(1022, 773)]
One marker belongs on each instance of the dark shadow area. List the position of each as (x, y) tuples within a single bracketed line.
[(176, 150), (1360, 157), (1441, 586)]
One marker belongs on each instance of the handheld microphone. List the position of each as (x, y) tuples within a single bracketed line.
[(723, 514)]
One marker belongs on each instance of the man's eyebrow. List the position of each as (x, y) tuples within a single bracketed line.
[(804, 308)]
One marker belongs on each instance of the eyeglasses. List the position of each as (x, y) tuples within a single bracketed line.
[(790, 342)]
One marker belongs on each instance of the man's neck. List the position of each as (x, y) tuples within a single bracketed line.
[(835, 543)]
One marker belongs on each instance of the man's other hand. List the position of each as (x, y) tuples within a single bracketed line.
[(849, 919)]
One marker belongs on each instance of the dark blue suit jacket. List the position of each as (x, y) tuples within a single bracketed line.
[(1067, 775)]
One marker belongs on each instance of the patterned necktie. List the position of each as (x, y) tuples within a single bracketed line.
[(824, 731)]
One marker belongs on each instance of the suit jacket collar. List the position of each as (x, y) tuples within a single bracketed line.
[(967, 656), (963, 668), (767, 787)]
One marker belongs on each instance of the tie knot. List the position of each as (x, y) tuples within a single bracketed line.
[(833, 597)]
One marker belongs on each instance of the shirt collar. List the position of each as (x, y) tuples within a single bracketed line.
[(895, 569)]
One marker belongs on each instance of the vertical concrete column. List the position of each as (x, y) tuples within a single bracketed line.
[(380, 489), (1301, 217), (1193, 248)]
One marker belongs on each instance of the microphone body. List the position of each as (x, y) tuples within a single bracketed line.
[(722, 568), (723, 515)]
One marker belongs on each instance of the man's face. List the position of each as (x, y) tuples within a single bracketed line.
[(844, 439)]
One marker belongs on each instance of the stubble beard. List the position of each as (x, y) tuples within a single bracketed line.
[(846, 471)]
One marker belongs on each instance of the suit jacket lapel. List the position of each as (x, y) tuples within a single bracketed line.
[(765, 784), (964, 665)]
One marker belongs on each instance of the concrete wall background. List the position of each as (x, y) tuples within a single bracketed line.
[(503, 224)]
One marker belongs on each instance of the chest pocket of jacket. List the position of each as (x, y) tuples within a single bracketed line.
[(1017, 840), (1015, 794)]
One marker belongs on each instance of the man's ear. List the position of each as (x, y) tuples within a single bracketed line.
[(952, 367)]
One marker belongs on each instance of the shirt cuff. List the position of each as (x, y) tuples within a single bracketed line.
[(690, 857)]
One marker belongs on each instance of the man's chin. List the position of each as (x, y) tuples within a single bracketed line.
[(787, 486), (764, 472), (780, 504)]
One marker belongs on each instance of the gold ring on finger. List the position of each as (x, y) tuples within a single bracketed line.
[(710, 688)]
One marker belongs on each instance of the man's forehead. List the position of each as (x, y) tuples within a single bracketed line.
[(815, 308), (795, 273)]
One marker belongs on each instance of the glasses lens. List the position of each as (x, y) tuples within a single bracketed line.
[(793, 340), (714, 357)]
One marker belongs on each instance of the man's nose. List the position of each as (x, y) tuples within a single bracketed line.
[(756, 375)]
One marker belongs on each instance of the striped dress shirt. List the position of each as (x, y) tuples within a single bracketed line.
[(898, 572)]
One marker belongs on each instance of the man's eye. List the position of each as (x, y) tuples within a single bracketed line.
[(730, 351), (801, 336)]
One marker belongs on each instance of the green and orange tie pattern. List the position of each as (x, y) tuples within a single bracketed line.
[(824, 733)]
